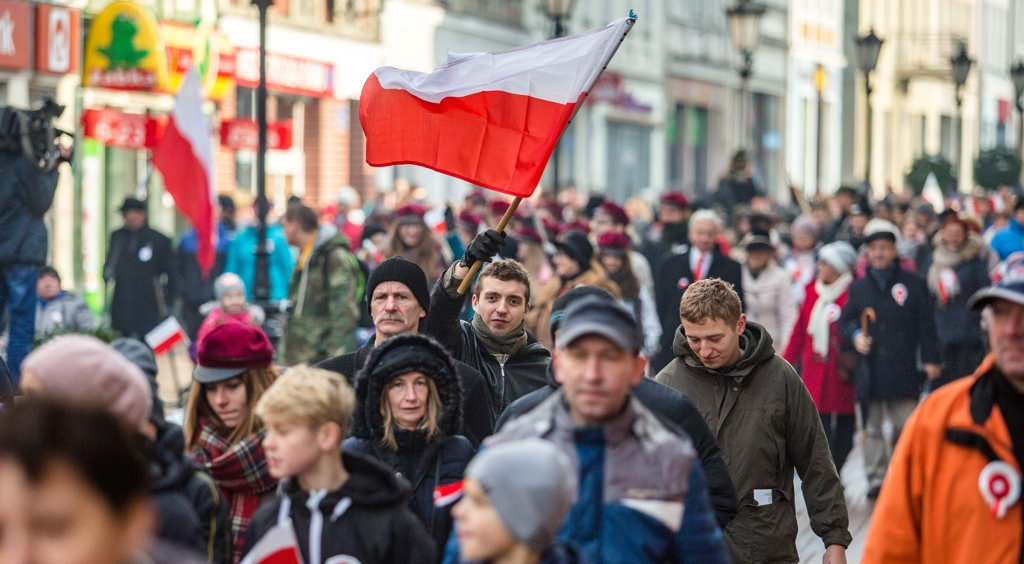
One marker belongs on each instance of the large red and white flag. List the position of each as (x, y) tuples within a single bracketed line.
[(488, 118), (184, 155)]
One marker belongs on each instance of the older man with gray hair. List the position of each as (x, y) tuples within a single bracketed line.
[(703, 259)]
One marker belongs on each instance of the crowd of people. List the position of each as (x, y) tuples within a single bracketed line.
[(617, 385)]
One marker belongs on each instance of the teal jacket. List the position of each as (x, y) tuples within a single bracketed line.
[(241, 260)]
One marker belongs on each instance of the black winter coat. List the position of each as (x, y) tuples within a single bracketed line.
[(168, 482), (519, 375), (136, 261), (25, 196), (890, 371), (477, 424), (377, 528), (6, 387), (425, 464), (678, 413), (672, 280)]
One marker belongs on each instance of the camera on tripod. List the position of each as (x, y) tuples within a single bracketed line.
[(32, 133)]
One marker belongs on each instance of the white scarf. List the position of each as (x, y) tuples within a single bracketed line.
[(818, 323)]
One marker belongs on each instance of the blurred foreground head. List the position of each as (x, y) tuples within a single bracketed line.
[(73, 485)]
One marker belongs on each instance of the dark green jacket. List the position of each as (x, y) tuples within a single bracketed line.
[(324, 296), (766, 425)]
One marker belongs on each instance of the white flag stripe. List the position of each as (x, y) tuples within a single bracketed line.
[(193, 124), (162, 332), (537, 71)]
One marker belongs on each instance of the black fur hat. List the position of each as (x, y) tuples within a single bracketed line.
[(397, 356)]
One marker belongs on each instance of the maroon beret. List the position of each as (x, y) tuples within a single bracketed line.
[(578, 226), (477, 197), (617, 243), (230, 349), (529, 235), (677, 199), (410, 212), (470, 220), (499, 207), (614, 211)]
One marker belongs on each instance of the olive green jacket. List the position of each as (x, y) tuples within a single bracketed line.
[(324, 296), (766, 425)]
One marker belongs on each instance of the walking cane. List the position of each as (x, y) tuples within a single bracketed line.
[(468, 280), (867, 315)]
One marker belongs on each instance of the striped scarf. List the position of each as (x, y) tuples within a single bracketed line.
[(241, 472)]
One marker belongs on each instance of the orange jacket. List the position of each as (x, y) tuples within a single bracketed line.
[(931, 509)]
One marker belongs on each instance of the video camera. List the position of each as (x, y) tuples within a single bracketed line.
[(32, 133)]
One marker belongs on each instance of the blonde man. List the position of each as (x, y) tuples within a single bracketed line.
[(766, 423), (306, 412)]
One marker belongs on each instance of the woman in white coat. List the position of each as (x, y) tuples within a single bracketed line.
[(767, 289)]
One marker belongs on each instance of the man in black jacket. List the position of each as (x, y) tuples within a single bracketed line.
[(398, 299), (702, 259), (496, 343), (137, 259), (25, 196), (887, 378), (669, 405)]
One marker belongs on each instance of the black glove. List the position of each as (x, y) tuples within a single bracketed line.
[(449, 219), (483, 247)]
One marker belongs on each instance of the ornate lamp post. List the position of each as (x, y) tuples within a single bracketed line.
[(961, 68), (1017, 72), (745, 29), (558, 12), (261, 280), (868, 48)]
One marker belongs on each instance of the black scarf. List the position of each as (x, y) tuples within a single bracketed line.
[(508, 344)]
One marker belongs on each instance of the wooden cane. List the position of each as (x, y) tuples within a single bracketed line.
[(468, 280), (867, 315)]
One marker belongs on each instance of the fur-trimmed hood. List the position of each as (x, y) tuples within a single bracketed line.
[(400, 355)]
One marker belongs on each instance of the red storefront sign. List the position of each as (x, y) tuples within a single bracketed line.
[(285, 74), (240, 134), (57, 30), (119, 129), (14, 35)]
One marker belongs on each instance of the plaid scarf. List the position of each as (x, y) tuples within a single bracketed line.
[(240, 471)]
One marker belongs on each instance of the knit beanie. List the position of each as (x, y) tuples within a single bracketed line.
[(141, 355), (399, 269), (225, 282), (840, 255), (576, 246), (531, 484), (84, 369)]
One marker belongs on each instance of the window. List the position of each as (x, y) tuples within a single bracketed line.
[(629, 159)]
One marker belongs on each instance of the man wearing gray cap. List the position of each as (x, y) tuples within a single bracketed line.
[(953, 490), (642, 498)]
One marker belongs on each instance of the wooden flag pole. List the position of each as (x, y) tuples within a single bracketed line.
[(468, 280)]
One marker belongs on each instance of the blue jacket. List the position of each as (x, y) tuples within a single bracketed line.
[(641, 497), (242, 260), (1009, 239), (25, 196)]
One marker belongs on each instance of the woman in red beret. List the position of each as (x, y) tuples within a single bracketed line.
[(411, 238), (224, 436), (613, 254)]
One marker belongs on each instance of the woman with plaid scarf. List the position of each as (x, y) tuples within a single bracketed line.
[(224, 435)]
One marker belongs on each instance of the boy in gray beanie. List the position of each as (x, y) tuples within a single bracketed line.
[(515, 497)]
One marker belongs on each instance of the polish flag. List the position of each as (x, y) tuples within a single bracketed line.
[(163, 337), (278, 546), (491, 119), (184, 155), (447, 494)]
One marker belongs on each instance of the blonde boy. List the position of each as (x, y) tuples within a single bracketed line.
[(340, 504)]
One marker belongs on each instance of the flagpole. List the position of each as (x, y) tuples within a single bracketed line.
[(468, 280)]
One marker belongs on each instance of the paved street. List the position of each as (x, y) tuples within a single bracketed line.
[(811, 549)]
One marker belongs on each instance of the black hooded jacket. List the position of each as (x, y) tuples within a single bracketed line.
[(367, 519), (477, 423), (425, 464), (168, 483), (679, 413)]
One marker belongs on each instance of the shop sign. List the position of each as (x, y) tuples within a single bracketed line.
[(610, 89), (119, 129), (14, 35), (285, 74), (205, 48), (125, 50), (243, 134), (56, 39)]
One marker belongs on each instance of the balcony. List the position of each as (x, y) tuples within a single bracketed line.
[(507, 12), (926, 56)]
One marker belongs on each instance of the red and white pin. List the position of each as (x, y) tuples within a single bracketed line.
[(683, 283), (899, 293), (1000, 487), (833, 312)]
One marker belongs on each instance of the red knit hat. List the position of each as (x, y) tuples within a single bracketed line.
[(614, 211), (230, 349)]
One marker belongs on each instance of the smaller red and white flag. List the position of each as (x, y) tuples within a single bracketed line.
[(163, 337), (447, 494), (278, 546)]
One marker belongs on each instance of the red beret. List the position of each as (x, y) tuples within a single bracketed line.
[(614, 211), (410, 212), (677, 199), (553, 208), (528, 234), (613, 242), (499, 207), (470, 219), (578, 226), (477, 197), (230, 349)]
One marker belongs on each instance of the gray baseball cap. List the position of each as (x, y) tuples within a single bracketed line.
[(607, 318)]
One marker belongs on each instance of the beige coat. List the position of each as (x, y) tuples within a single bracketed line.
[(539, 319), (768, 300)]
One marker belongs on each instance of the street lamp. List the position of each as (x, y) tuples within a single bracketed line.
[(961, 67), (868, 48), (745, 30), (261, 280), (558, 11), (1017, 72)]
